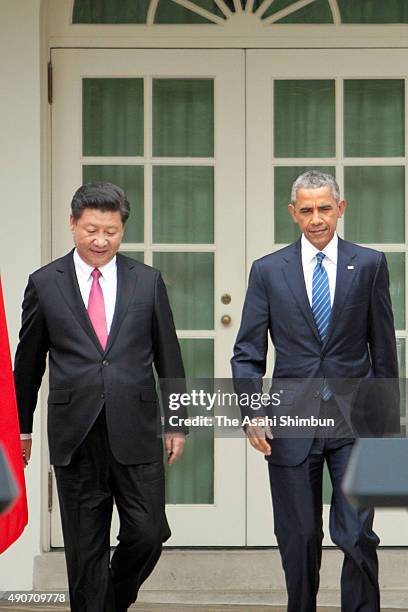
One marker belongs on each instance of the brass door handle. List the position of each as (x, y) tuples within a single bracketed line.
[(226, 320)]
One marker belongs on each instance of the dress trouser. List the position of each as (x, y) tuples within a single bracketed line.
[(297, 505), (86, 489)]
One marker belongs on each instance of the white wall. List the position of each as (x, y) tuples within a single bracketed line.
[(20, 224)]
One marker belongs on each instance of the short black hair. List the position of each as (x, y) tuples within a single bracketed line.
[(101, 196)]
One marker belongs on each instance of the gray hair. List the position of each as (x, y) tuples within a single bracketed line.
[(313, 179)]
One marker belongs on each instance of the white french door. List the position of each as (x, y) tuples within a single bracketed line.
[(168, 126), (192, 141), (342, 111)]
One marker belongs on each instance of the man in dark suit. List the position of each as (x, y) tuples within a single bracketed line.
[(104, 319), (326, 304)]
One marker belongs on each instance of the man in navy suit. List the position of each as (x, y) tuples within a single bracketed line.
[(326, 305)]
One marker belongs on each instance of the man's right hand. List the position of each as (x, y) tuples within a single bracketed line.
[(257, 434), (26, 451)]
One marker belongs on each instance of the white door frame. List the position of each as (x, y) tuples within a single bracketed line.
[(227, 68), (262, 67)]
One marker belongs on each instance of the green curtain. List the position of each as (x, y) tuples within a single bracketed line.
[(304, 120), (373, 116), (110, 11), (170, 12), (373, 11), (316, 12), (183, 117), (191, 479), (112, 117)]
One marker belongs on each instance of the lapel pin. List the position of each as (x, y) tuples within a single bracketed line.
[(350, 267)]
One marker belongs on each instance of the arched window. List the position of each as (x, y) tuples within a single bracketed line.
[(214, 12)]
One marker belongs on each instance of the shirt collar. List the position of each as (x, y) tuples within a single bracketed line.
[(84, 270), (309, 251)]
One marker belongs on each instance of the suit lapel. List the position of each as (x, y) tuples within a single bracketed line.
[(126, 286), (293, 273), (68, 284), (347, 268)]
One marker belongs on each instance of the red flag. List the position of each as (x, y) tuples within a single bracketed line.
[(13, 521)]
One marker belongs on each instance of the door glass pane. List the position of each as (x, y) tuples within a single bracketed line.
[(112, 117), (110, 11), (190, 284), (373, 11), (131, 180), (317, 12), (304, 120), (374, 117), (375, 196), (396, 267), (170, 12), (198, 357), (286, 230), (183, 204), (209, 5), (327, 485), (138, 255), (191, 479), (183, 117)]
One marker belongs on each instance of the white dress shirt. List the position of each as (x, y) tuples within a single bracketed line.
[(309, 262), (108, 282)]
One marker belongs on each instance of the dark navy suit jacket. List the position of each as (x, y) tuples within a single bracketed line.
[(360, 345)]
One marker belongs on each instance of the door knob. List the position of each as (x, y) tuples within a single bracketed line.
[(226, 320)]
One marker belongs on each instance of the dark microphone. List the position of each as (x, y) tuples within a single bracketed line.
[(377, 473)]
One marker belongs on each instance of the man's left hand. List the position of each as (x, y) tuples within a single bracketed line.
[(174, 443)]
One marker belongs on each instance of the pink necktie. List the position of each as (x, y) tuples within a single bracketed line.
[(96, 309)]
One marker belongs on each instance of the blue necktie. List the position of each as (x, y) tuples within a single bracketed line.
[(321, 306)]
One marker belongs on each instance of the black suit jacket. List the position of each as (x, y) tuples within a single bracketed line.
[(83, 377), (360, 344)]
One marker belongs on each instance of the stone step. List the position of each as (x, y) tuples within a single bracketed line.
[(236, 576)]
